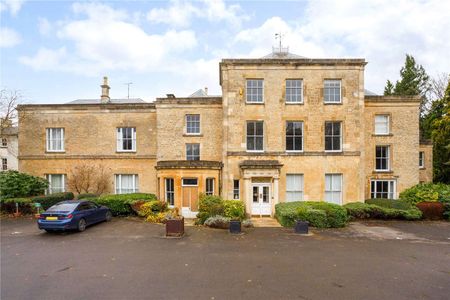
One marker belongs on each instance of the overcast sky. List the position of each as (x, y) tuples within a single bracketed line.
[(55, 52)]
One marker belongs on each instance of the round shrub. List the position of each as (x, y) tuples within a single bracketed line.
[(14, 184), (234, 209), (209, 206)]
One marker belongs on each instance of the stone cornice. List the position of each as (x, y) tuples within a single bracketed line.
[(96, 106), (188, 164), (392, 99), (305, 153), (84, 156)]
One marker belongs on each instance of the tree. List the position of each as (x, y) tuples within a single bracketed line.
[(441, 138), (9, 99), (414, 81), (88, 178), (14, 184)]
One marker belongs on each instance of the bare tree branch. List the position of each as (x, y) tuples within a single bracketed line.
[(9, 99)]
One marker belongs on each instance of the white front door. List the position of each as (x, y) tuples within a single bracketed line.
[(261, 199)]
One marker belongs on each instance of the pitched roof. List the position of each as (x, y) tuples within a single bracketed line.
[(198, 93), (282, 55), (369, 93), (112, 101)]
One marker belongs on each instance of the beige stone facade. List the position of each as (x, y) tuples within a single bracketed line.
[(377, 138)]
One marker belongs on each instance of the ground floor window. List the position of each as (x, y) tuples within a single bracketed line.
[(294, 187), (4, 164), (127, 183), (421, 159), (170, 191), (209, 186), (382, 189), (333, 188), (56, 183), (236, 190)]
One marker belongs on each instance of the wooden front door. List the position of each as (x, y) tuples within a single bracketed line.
[(190, 197)]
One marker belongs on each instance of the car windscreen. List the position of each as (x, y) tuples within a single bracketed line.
[(63, 207)]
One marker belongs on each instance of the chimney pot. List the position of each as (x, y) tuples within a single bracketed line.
[(105, 91)]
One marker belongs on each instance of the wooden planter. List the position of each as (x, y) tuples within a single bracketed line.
[(235, 226), (175, 227)]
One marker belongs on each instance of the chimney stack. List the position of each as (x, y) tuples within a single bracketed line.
[(206, 90), (105, 91)]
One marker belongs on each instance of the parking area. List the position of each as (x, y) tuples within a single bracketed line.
[(130, 259)]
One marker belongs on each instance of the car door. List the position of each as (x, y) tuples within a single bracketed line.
[(86, 212), (98, 214)]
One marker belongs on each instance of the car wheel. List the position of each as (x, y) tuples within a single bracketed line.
[(81, 225), (108, 216)]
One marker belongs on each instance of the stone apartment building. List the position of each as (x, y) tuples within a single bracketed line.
[(286, 128), (9, 148)]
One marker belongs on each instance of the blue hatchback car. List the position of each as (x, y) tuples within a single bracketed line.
[(73, 214)]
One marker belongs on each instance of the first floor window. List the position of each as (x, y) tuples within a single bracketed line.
[(382, 158), (209, 186), (294, 92), (382, 189), (332, 91), (294, 187), (127, 183), (55, 139), (193, 124), (126, 139), (381, 124), (4, 142), (4, 164), (333, 188), (333, 136), (255, 90), (236, 190), (422, 159), (255, 136), (192, 151), (56, 183), (170, 191), (294, 136)]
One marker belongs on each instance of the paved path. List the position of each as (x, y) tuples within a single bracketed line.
[(129, 259)]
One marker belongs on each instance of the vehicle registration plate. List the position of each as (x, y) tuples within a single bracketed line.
[(51, 218)]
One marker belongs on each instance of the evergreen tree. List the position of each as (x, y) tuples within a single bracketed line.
[(389, 88), (441, 138)]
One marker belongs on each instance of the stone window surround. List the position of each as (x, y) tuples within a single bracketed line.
[(299, 189), (49, 190), (4, 164), (247, 80), (332, 190), (389, 165), (389, 115), (118, 183), (293, 88), (209, 186), (340, 90), (341, 134), (120, 139), (421, 159), (48, 132), (236, 189), (255, 136), (190, 151), (302, 136), (392, 188), (169, 191), (186, 117)]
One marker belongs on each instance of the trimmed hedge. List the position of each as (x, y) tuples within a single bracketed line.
[(120, 205), (50, 200), (358, 210), (390, 203), (9, 205), (87, 196), (427, 192), (318, 214)]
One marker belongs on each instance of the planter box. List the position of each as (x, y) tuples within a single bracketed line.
[(235, 227), (175, 227), (431, 210), (301, 227)]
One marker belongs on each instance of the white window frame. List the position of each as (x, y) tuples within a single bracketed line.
[(50, 189), (118, 183), (388, 158), (168, 192), (209, 192), (51, 143), (192, 155), (4, 164), (341, 141), (255, 80), (293, 136), (332, 191), (294, 191), (188, 121), (421, 159), (386, 122), (236, 191), (188, 184), (254, 136), (120, 139), (295, 89), (392, 188), (4, 143), (329, 81)]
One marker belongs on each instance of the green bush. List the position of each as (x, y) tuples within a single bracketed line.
[(87, 196), (360, 210), (152, 207), (317, 213), (390, 203), (427, 192), (25, 205), (209, 206), (218, 222), (120, 205), (52, 199), (14, 184), (234, 209)]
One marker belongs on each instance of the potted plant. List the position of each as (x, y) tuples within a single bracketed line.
[(235, 226), (301, 227), (174, 224)]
